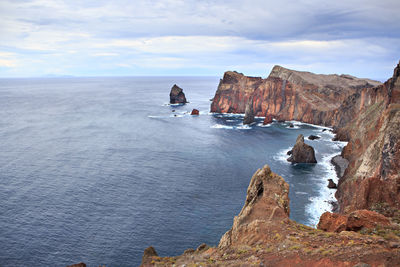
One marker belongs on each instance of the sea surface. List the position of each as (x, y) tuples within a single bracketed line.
[(98, 169)]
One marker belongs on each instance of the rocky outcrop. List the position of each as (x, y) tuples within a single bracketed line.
[(263, 235), (331, 184), (267, 202), (78, 265), (249, 113), (301, 152), (195, 112), (176, 96), (148, 255), (355, 221), (340, 164)]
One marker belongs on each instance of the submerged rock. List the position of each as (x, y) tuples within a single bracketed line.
[(301, 152), (249, 114), (176, 96), (313, 137), (195, 112)]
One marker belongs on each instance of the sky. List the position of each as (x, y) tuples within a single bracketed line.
[(193, 37)]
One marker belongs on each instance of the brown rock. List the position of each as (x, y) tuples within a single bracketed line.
[(267, 203), (332, 222), (268, 119), (331, 184), (148, 254), (355, 221), (301, 152), (365, 219), (195, 112), (176, 96)]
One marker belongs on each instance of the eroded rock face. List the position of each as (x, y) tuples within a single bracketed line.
[(176, 96), (301, 152), (288, 95), (267, 203), (373, 150)]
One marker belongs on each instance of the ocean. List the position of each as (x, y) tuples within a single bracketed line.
[(98, 169)]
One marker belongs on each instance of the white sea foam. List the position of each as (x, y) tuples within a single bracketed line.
[(321, 203), (282, 155), (301, 193), (243, 127), (220, 126)]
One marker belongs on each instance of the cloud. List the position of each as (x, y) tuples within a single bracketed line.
[(201, 37)]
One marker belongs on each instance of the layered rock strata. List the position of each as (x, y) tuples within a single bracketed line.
[(288, 95)]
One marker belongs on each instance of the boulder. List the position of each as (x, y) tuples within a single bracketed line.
[(332, 222), (176, 96), (195, 112), (313, 137), (332, 184), (268, 119), (301, 152), (355, 221), (365, 219), (249, 114), (291, 125), (148, 254)]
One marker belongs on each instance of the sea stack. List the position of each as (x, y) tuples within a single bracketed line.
[(249, 114), (301, 152), (268, 119), (176, 96)]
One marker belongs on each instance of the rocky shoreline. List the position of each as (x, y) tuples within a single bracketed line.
[(364, 113)]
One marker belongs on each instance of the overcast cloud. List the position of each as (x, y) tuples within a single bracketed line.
[(173, 37)]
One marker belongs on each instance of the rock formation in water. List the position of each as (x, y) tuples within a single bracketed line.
[(331, 184), (195, 112), (268, 119), (313, 137), (176, 96), (301, 152), (249, 113), (367, 115), (263, 235)]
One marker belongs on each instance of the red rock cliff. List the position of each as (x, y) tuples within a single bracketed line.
[(288, 94), (372, 180)]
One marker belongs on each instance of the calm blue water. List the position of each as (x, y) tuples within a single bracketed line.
[(98, 169)]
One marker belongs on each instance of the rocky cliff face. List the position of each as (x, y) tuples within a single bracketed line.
[(364, 113), (263, 235), (372, 179), (288, 95)]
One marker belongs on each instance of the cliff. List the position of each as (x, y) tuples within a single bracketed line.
[(263, 235), (289, 95), (372, 179), (367, 115)]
